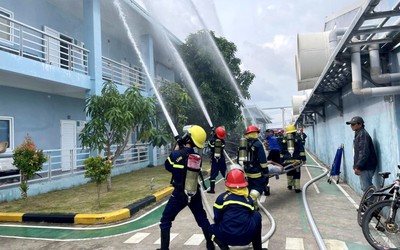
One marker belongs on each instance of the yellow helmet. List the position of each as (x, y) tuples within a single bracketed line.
[(290, 129), (198, 135)]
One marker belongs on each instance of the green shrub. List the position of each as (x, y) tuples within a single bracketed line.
[(97, 168), (28, 160)]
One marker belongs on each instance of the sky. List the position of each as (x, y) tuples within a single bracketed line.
[(265, 33)]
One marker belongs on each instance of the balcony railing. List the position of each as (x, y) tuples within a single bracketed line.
[(123, 75), (63, 163), (61, 51), (21, 39)]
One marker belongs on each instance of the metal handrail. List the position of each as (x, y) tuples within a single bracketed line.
[(30, 42), (26, 41), (122, 74)]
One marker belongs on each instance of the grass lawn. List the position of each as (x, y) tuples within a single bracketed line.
[(126, 189)]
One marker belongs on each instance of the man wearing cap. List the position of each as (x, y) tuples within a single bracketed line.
[(365, 159)]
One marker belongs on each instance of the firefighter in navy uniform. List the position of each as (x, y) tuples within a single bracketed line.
[(279, 137), (237, 222), (218, 163), (178, 164), (293, 153), (254, 163), (303, 136)]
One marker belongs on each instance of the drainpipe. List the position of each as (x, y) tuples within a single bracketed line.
[(357, 78), (376, 67)]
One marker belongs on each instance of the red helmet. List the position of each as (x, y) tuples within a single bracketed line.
[(236, 179), (275, 131), (252, 128), (220, 132)]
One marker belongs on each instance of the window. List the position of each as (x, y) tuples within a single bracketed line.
[(7, 131), (5, 25)]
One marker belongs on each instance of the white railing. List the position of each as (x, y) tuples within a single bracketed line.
[(61, 163), (21, 39), (68, 53), (122, 74)]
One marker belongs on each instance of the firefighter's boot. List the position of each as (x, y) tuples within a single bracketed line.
[(290, 182), (221, 244), (212, 188), (209, 242), (257, 244), (164, 239), (297, 187)]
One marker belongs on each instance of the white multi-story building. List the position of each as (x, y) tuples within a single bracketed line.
[(53, 54)]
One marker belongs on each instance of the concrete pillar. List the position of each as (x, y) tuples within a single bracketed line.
[(92, 39)]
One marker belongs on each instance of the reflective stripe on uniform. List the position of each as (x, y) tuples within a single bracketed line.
[(264, 165), (256, 175), (169, 160), (292, 161), (178, 166), (233, 202)]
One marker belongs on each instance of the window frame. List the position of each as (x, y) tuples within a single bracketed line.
[(10, 119), (11, 31)]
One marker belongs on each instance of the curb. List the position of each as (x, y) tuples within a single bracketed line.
[(88, 219)]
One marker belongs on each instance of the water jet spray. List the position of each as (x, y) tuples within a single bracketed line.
[(132, 40), (228, 71)]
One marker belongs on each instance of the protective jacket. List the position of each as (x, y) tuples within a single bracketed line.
[(218, 164), (303, 137), (298, 154), (176, 163), (257, 160), (364, 152), (236, 221), (211, 145)]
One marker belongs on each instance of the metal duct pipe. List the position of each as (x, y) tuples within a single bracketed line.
[(356, 83), (376, 67), (333, 37)]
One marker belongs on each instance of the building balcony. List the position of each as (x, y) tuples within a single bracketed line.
[(59, 53)]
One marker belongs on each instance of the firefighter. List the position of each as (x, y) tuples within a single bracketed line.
[(293, 153), (255, 164), (218, 163), (279, 136), (303, 136), (180, 163), (237, 222)]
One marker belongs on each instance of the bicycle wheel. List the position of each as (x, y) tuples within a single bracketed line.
[(381, 225), (366, 201)]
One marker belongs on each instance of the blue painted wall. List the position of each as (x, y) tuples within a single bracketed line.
[(39, 114), (381, 121)]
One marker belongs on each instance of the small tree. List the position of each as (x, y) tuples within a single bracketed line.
[(97, 169), (113, 117), (28, 160)]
